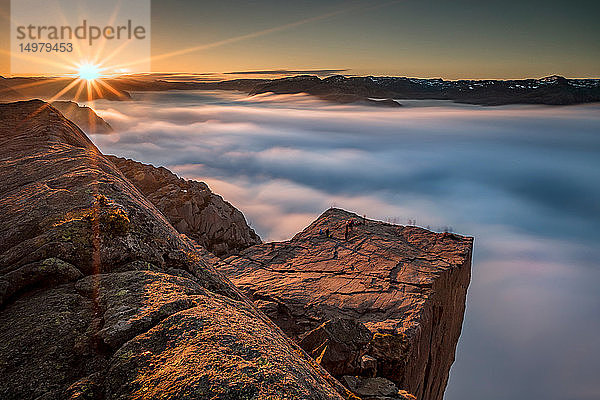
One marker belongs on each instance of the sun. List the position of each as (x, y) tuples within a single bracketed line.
[(88, 72)]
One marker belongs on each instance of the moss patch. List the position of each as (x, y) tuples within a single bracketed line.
[(104, 215)]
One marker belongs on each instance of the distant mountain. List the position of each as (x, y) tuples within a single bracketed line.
[(371, 90), (553, 90), (7, 93), (55, 88)]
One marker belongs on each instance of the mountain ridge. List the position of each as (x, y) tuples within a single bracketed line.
[(370, 90)]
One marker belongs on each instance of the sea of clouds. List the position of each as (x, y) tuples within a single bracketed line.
[(524, 180)]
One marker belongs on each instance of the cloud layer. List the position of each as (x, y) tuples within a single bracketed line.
[(522, 180)]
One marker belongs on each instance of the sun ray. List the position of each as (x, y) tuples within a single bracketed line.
[(263, 32), (25, 85), (75, 42), (61, 66), (115, 53), (78, 92), (103, 41), (97, 89), (90, 95), (111, 89), (47, 103), (64, 90)]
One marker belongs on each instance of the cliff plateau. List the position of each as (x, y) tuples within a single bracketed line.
[(372, 300)]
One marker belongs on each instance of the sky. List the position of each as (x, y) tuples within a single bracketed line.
[(517, 178), (427, 38)]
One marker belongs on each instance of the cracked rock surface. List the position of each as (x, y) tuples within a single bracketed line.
[(405, 284), (101, 298)]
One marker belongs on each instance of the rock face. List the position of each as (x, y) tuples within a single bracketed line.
[(83, 116), (191, 208), (338, 345), (406, 285), (101, 298), (375, 388)]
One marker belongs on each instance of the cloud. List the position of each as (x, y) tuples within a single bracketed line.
[(521, 179), (318, 72)]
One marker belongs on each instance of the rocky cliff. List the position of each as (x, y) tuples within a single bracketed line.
[(371, 302), (83, 116), (101, 298), (191, 208)]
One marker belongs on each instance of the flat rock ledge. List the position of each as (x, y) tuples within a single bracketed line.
[(366, 299)]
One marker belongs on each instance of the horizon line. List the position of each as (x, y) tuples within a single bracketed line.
[(294, 73)]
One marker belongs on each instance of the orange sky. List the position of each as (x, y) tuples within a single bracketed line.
[(467, 39)]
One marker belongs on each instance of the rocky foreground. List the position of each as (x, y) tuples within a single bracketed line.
[(101, 297)]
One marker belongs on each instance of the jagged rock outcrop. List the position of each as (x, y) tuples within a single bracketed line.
[(405, 284), (191, 208), (101, 298), (83, 116)]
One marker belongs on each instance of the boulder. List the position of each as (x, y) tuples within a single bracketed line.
[(191, 208)]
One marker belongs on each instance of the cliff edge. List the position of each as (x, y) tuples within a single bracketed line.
[(367, 299)]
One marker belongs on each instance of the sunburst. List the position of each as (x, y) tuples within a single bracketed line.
[(88, 72), (90, 79)]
